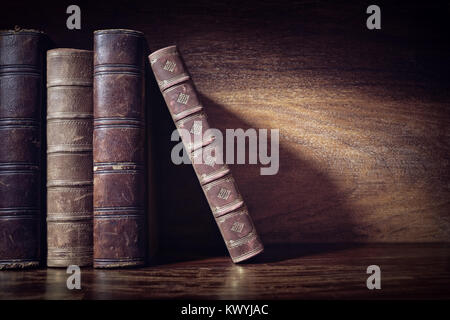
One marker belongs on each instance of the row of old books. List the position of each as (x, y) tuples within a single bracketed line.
[(92, 167)]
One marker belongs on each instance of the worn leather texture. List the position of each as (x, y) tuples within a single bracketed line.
[(224, 198), (118, 149), (69, 157), (21, 88)]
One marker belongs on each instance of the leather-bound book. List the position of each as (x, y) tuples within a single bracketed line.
[(21, 93), (69, 157), (227, 205), (118, 147)]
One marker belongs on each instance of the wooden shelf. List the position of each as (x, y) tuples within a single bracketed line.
[(408, 271)]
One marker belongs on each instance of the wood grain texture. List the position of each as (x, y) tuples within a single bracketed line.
[(363, 115), (409, 271)]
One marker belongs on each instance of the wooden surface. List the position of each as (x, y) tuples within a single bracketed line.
[(363, 115), (306, 272)]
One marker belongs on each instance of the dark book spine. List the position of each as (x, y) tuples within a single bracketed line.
[(69, 157), (224, 198), (118, 148), (21, 88)]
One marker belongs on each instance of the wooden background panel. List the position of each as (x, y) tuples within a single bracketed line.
[(363, 115)]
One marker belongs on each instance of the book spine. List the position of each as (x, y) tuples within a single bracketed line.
[(21, 63), (118, 146), (219, 187), (69, 157)]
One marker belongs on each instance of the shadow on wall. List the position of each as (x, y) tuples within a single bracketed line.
[(299, 202)]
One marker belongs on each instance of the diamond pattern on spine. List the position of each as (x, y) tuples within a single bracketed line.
[(169, 66), (183, 98), (224, 194)]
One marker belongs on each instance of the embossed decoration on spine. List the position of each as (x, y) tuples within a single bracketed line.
[(69, 157), (224, 198), (21, 63), (118, 145)]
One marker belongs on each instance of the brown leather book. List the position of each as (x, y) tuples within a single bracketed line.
[(21, 63), (69, 157), (227, 205), (118, 146)]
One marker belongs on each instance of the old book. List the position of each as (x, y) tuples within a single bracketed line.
[(69, 157), (118, 147), (224, 198), (21, 63)]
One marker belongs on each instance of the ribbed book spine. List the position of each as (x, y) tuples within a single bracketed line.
[(69, 157), (224, 198), (21, 88), (119, 160)]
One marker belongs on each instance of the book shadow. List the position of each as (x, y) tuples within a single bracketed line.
[(282, 215)]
